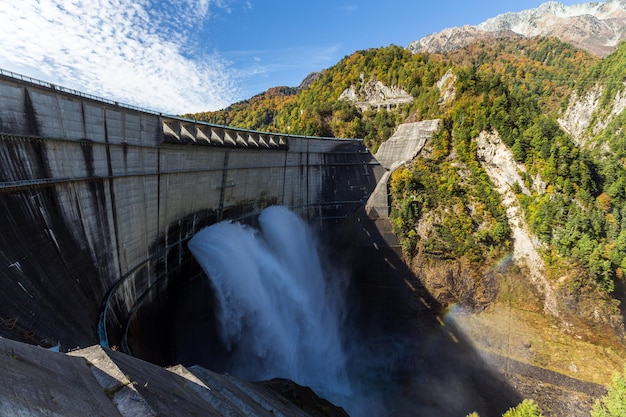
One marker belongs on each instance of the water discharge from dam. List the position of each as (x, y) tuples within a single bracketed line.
[(281, 310)]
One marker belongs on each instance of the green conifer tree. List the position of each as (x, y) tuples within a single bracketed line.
[(613, 404), (528, 408)]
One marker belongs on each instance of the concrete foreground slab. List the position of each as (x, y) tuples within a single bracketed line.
[(99, 382), (39, 382)]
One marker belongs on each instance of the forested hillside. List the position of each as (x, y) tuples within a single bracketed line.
[(318, 111), (444, 204)]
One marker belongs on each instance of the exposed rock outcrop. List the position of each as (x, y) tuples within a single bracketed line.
[(375, 94), (309, 79), (584, 117), (578, 115), (498, 162), (446, 88), (457, 282)]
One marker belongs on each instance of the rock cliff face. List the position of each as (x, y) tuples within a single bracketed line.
[(597, 27), (504, 172), (446, 88), (577, 117), (309, 79), (584, 118)]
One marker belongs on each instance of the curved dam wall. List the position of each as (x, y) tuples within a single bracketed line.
[(98, 200)]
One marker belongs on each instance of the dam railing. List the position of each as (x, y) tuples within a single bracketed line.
[(52, 86), (166, 117)]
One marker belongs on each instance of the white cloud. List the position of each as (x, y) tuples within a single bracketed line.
[(139, 52)]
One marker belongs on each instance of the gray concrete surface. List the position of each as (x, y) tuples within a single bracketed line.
[(38, 382), (401, 148), (406, 142), (98, 382), (98, 200)]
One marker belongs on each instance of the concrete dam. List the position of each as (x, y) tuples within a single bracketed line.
[(98, 202), (99, 199)]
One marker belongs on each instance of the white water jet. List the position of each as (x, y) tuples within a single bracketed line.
[(279, 315)]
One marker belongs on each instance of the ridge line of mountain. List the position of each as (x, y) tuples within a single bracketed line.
[(597, 27)]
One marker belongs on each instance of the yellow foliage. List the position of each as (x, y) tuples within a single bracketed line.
[(604, 202)]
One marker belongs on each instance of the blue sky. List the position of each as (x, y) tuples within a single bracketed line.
[(196, 55)]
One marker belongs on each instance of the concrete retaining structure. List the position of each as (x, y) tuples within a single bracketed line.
[(400, 149), (98, 382), (98, 200)]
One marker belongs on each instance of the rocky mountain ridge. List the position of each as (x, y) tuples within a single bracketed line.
[(597, 27)]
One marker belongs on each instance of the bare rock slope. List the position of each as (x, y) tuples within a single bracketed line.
[(504, 172)]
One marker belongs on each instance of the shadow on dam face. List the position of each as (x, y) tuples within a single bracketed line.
[(401, 346)]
